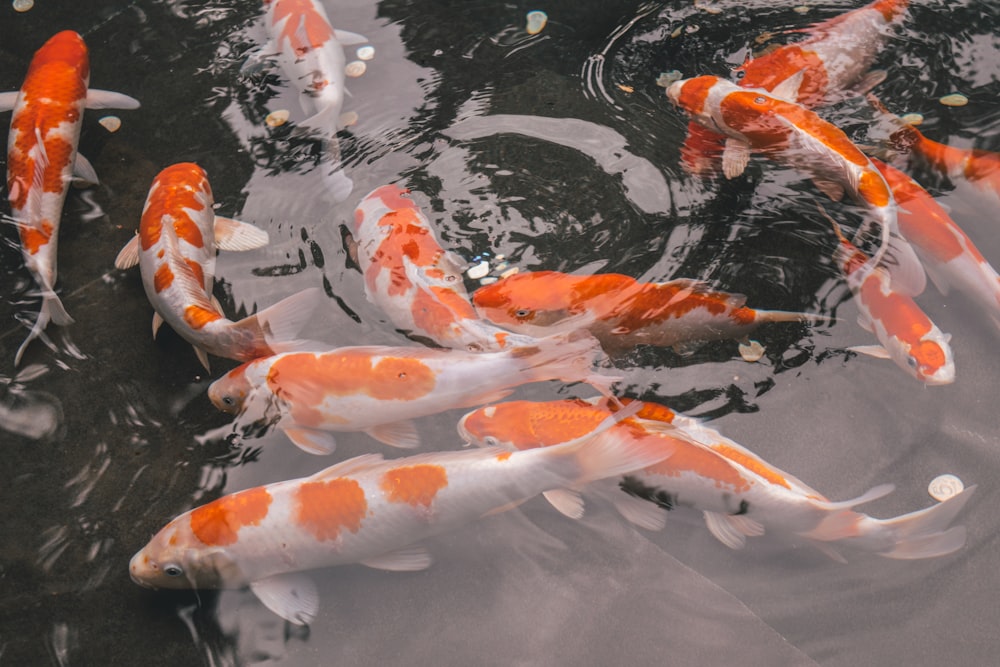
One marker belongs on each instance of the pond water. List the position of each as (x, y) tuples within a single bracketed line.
[(108, 434)]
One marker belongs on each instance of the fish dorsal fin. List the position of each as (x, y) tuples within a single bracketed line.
[(347, 38), (566, 501), (344, 468), (235, 235), (788, 90), (202, 357), (292, 596), (311, 440), (407, 559), (402, 434), (735, 157), (724, 531), (128, 256)]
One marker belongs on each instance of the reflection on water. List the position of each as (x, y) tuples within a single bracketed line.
[(560, 152)]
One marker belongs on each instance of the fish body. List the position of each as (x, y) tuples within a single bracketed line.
[(380, 389), (364, 510), (620, 311), (413, 279), (794, 136), (176, 249), (948, 254), (740, 494), (42, 157)]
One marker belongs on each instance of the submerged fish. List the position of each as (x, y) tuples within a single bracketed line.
[(739, 493), (379, 390), (413, 279), (42, 157), (364, 510), (175, 250), (620, 311)]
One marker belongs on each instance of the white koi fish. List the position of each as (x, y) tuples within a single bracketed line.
[(740, 494), (42, 157), (364, 510), (175, 250), (379, 390)]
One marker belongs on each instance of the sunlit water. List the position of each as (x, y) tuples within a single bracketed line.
[(109, 435)]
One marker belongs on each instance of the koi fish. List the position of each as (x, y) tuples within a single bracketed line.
[(793, 136), (413, 279), (740, 494), (379, 390), (175, 250), (42, 157), (906, 334), (835, 58), (948, 254), (364, 510), (619, 311)]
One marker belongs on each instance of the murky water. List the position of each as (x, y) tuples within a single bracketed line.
[(108, 434)]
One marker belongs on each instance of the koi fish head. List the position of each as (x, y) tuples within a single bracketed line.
[(692, 97), (65, 48), (929, 359), (230, 392), (175, 559), (527, 425), (531, 303)]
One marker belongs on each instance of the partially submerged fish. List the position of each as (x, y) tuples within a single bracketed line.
[(175, 250), (620, 311), (379, 390), (364, 510), (42, 157), (740, 494)]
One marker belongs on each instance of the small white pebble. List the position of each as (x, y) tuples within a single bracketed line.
[(751, 351), (355, 68), (489, 280), (912, 119), (954, 100), (479, 270), (801, 9), (536, 22), (366, 52), (509, 272), (667, 78), (944, 487), (277, 118), (23, 5), (111, 123)]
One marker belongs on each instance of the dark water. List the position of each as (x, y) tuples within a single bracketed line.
[(105, 440)]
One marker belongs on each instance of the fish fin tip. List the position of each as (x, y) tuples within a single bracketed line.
[(407, 559), (401, 434), (735, 157), (291, 596), (128, 256), (234, 235), (348, 38), (106, 99), (84, 171), (319, 443), (566, 501), (724, 531)]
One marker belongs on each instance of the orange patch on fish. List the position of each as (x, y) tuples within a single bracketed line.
[(503, 456), (197, 316), (199, 273), (770, 70), (694, 92), (175, 189), (688, 457), (414, 485), (752, 464), (33, 239), (306, 379), (305, 28), (326, 508), (219, 522), (163, 278), (899, 314)]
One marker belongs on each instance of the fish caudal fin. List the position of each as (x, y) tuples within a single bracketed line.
[(52, 310), (925, 533), (276, 328), (569, 357)]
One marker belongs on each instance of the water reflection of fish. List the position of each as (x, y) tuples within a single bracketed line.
[(42, 157), (796, 137), (36, 415), (175, 250), (739, 493), (364, 510), (378, 390), (620, 311), (413, 279)]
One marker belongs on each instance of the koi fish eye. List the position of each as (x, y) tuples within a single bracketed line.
[(522, 313), (173, 570), (490, 441), (759, 100), (911, 362)]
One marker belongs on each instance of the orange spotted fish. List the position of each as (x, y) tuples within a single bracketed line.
[(905, 333), (365, 510), (620, 311), (175, 250), (379, 390), (42, 157), (413, 279), (796, 137), (739, 493)]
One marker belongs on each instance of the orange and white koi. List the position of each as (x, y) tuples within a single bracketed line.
[(796, 137), (905, 333), (740, 494), (364, 510), (379, 390), (175, 250), (619, 311), (413, 279), (42, 157)]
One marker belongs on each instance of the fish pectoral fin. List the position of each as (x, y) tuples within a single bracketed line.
[(831, 189), (83, 171), (938, 278), (638, 512), (566, 501), (348, 467), (745, 525), (128, 256), (735, 157), (865, 84), (235, 235), (202, 357), (407, 559), (311, 440), (865, 323), (876, 351), (503, 508), (106, 99), (402, 434), (347, 119), (346, 37), (291, 596), (157, 323), (8, 99), (788, 89), (724, 531)]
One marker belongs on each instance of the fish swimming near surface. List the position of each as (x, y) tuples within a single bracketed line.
[(740, 494), (415, 281), (42, 158), (620, 311), (790, 134), (176, 252), (379, 390), (364, 510)]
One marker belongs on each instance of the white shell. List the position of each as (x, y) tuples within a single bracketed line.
[(509, 272), (111, 123), (479, 270), (954, 100), (23, 5), (667, 78), (488, 280), (944, 487), (366, 52), (912, 119), (536, 22), (355, 68), (752, 351), (276, 118)]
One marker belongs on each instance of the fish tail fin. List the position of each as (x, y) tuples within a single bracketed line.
[(52, 310), (569, 357), (925, 533), (276, 328)]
